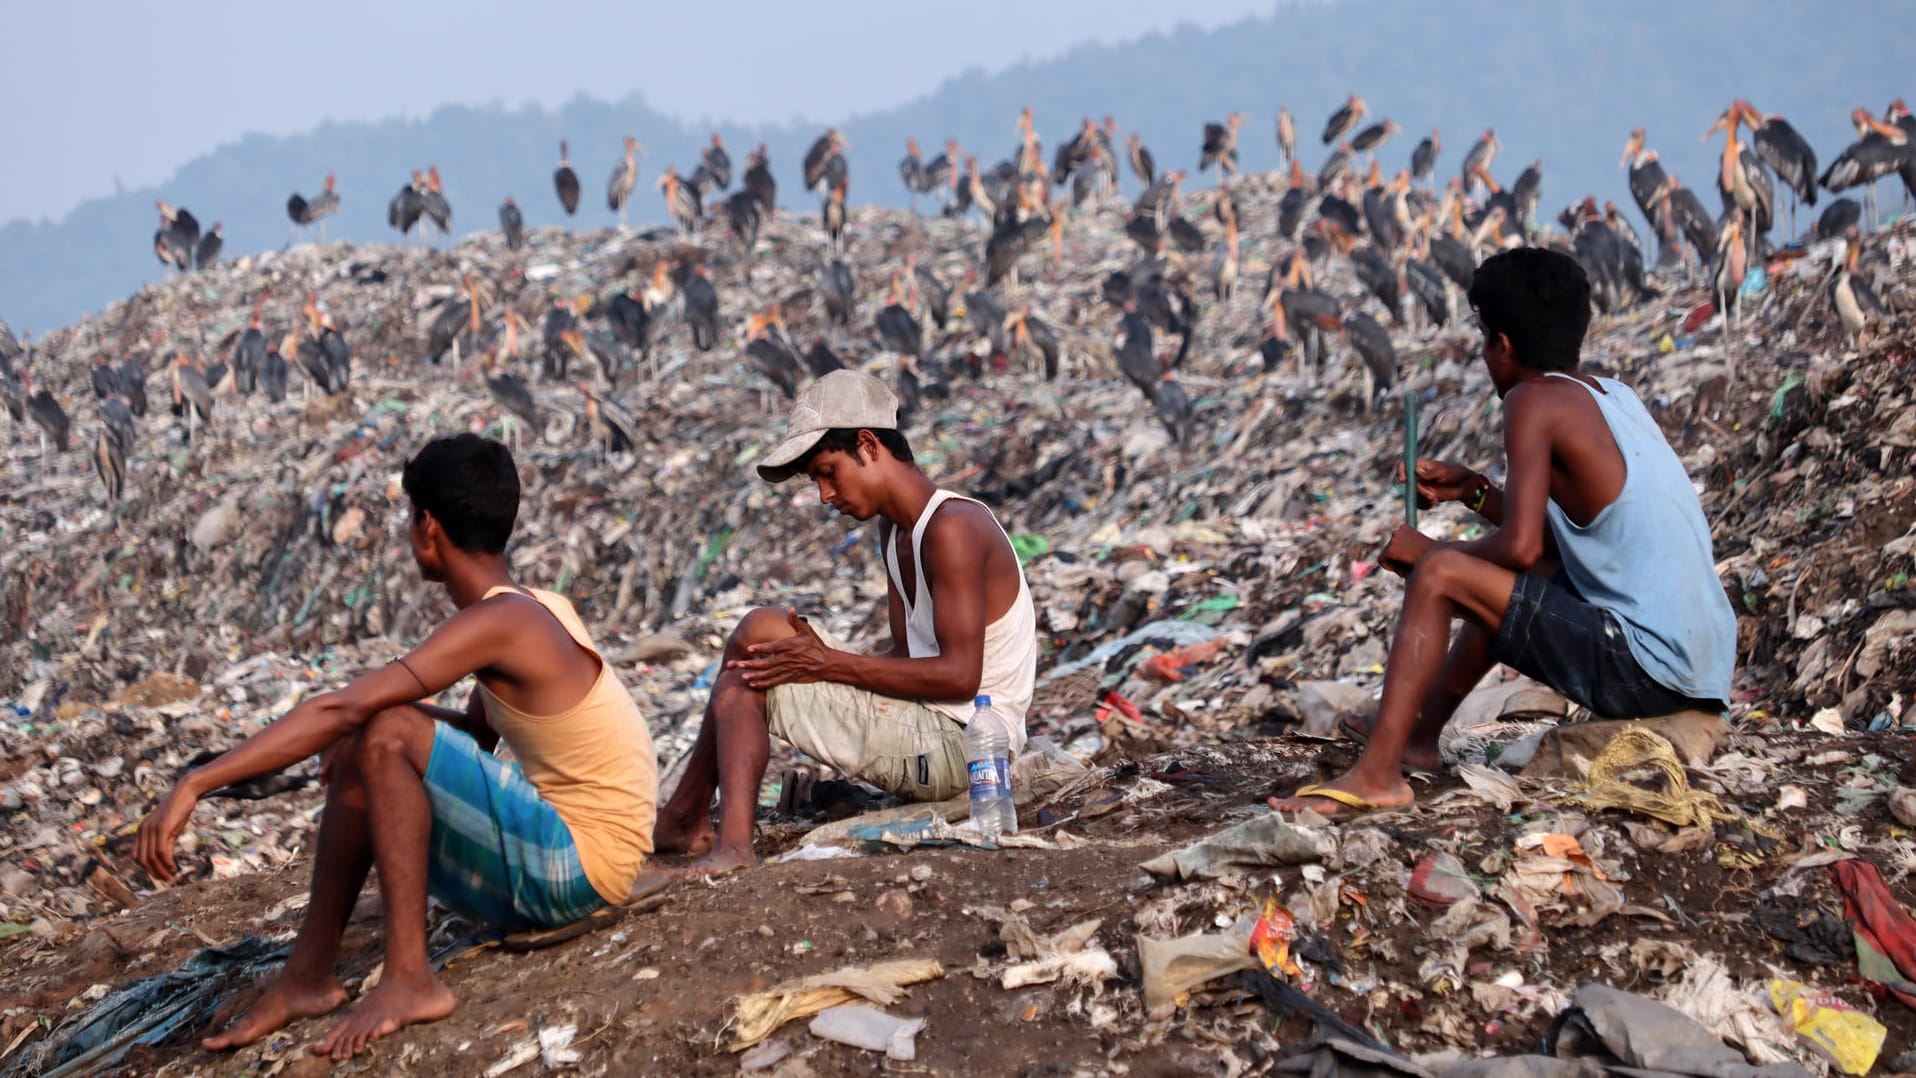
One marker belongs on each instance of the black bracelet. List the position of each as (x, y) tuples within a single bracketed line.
[(415, 676)]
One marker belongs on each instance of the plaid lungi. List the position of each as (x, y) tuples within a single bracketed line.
[(499, 852)]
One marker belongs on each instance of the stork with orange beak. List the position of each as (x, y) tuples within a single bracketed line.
[(1881, 149), (625, 177)]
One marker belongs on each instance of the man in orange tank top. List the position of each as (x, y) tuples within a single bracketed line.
[(414, 788), (892, 719)]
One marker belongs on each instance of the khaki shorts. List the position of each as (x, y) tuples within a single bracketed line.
[(903, 747)]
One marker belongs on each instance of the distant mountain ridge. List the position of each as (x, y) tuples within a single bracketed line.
[(1560, 82)]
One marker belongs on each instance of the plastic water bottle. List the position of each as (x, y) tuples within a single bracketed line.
[(988, 760)]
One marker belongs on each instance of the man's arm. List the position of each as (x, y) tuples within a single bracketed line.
[(894, 601), (1522, 536), (472, 640), (954, 574)]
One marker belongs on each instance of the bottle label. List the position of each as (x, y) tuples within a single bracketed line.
[(990, 778)]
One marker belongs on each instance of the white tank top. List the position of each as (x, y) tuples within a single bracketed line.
[(1010, 669)]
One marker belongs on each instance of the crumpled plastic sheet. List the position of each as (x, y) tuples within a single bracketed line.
[(150, 1011), (1258, 842)]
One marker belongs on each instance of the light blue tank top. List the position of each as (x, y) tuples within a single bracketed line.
[(1647, 558)]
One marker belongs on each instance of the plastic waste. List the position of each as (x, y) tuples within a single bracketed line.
[(1848, 1038), (863, 1026), (988, 762)]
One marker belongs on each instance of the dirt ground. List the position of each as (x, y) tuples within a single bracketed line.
[(652, 994)]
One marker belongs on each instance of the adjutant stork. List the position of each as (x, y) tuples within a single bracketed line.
[(715, 165), (513, 224), (109, 459), (1345, 119), (1286, 134), (306, 214), (625, 176), (1220, 147), (614, 429), (1423, 158), (565, 181), (825, 161), (1142, 164), (1741, 180), (759, 182), (911, 170), (513, 397), (833, 216), (1786, 152), (191, 396), (433, 201), (407, 206), (1882, 150), (1647, 183), (1477, 161), (1855, 301), (681, 200), (47, 414)]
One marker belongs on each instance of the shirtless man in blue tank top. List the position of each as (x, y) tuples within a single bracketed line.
[(1599, 580)]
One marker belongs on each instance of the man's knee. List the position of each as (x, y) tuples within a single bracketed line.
[(394, 733), (1440, 570), (761, 626)]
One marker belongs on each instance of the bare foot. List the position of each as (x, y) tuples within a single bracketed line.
[(676, 834), (1418, 755), (722, 860), (389, 1007), (1396, 794), (285, 1000)]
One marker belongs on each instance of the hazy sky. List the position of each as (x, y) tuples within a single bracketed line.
[(99, 95)]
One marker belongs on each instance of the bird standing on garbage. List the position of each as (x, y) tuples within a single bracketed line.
[(1477, 162), (306, 213), (1220, 147), (1345, 119), (1786, 151), (513, 224), (565, 181), (109, 460), (46, 413), (1881, 149), (1855, 301), (433, 202), (192, 397), (625, 176), (759, 182), (406, 207), (681, 200)]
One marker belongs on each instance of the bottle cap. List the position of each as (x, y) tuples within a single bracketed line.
[(981, 701)]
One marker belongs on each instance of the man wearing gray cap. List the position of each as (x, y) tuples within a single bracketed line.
[(962, 624)]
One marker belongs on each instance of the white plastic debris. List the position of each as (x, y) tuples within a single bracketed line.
[(867, 1027)]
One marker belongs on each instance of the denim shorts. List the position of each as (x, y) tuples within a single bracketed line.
[(1552, 634)]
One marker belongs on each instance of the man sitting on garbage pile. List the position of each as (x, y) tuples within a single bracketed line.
[(415, 788), (1599, 580), (961, 619)]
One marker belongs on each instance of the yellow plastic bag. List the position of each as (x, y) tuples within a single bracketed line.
[(1846, 1037)]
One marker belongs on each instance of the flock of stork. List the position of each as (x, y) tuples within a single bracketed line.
[(1412, 247)]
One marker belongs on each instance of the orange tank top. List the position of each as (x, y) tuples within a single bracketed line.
[(593, 762)]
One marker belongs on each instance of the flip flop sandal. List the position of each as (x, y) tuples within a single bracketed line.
[(541, 938), (1357, 805)]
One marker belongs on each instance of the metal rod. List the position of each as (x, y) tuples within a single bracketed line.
[(1410, 457)]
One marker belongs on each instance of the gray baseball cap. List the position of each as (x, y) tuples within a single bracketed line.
[(841, 400)]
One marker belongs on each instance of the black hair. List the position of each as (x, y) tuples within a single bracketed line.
[(1538, 298), (845, 440), (470, 486)]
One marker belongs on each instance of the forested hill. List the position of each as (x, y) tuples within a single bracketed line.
[(1563, 82)]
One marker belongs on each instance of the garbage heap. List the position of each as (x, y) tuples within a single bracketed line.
[(1217, 588)]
